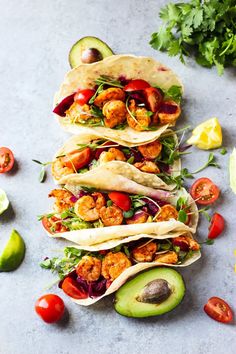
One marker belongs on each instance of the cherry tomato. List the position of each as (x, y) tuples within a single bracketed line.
[(77, 159), (6, 160), (83, 96), (204, 191), (73, 289), (217, 226), (219, 310), (53, 225), (153, 98), (50, 308), (136, 85), (122, 200)]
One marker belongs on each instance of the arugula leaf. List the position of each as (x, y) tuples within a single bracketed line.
[(182, 216)]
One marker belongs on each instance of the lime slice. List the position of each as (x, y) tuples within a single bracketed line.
[(4, 202), (232, 170), (13, 253)]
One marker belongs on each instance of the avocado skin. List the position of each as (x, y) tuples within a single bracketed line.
[(125, 298)]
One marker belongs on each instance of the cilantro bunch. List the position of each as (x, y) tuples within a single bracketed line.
[(206, 29)]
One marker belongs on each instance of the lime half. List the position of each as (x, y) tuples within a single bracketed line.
[(13, 253), (232, 170), (4, 202)]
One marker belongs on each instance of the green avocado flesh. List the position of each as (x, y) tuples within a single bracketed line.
[(13, 253), (87, 43), (127, 298)]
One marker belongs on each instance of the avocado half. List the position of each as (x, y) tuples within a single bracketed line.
[(150, 293), (88, 50)]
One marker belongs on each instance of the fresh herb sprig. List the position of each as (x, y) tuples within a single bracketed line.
[(42, 173)]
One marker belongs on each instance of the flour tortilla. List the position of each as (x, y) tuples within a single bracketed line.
[(129, 66)]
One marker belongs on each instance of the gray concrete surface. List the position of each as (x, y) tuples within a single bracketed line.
[(35, 39)]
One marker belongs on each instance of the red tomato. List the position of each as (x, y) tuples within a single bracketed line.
[(83, 96), (122, 200), (53, 223), (136, 85), (50, 308), (72, 289), (77, 159), (217, 226), (204, 191), (219, 310), (6, 159), (153, 98)]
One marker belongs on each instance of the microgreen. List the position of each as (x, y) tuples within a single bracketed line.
[(42, 173), (210, 162), (205, 213), (223, 151), (107, 80)]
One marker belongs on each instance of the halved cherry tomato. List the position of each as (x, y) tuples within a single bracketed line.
[(219, 310), (6, 159), (53, 225), (153, 98), (217, 226), (83, 96), (122, 200), (204, 191), (50, 308), (72, 289), (77, 159), (136, 85)]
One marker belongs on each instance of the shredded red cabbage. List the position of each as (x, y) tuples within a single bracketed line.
[(97, 288), (152, 207)]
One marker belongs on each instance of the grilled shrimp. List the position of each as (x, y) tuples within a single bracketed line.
[(138, 218), (63, 199), (140, 119), (89, 268), (114, 264), (78, 113), (166, 213), (111, 155), (59, 169), (151, 150), (193, 245), (144, 253), (112, 93), (114, 112), (169, 257), (111, 215), (169, 112), (88, 207), (147, 166)]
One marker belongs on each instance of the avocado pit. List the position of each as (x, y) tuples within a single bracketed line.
[(91, 55), (155, 292)]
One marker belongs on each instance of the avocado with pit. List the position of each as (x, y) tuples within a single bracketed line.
[(150, 293), (88, 50)]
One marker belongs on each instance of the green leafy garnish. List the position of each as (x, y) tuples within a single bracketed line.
[(210, 162), (128, 214), (108, 80), (223, 151), (42, 173), (174, 92), (182, 216), (205, 213)]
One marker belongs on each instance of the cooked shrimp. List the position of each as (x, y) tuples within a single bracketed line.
[(144, 253), (147, 166), (114, 264), (77, 113), (111, 215), (140, 120), (169, 112), (111, 155), (89, 268), (193, 245), (169, 257), (151, 150), (63, 199), (59, 169), (138, 218), (114, 112), (112, 93), (166, 213), (87, 207)]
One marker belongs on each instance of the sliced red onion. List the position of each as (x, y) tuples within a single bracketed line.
[(123, 80), (97, 288), (164, 167), (168, 108), (73, 199), (81, 194), (65, 104), (83, 284), (184, 147), (138, 96)]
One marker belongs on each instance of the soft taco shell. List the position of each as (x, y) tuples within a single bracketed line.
[(129, 66)]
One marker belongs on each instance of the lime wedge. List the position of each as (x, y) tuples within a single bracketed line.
[(13, 253), (232, 170), (4, 202)]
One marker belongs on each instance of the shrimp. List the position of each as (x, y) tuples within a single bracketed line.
[(114, 112), (112, 93), (151, 150), (166, 213), (111, 155), (63, 199), (89, 268), (138, 218), (169, 112), (87, 207), (144, 253), (147, 166), (114, 264), (193, 245), (139, 120), (111, 215), (169, 257), (78, 114), (59, 169)]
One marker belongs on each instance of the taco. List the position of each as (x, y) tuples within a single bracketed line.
[(88, 274), (117, 97), (153, 164)]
